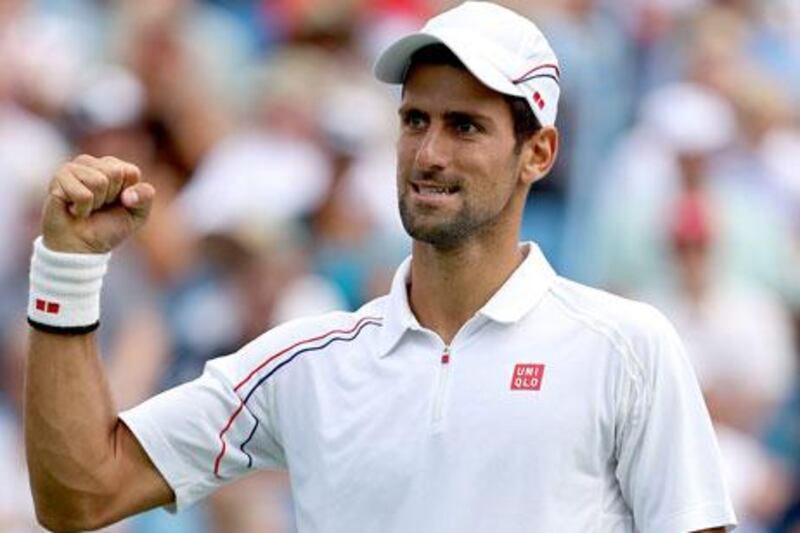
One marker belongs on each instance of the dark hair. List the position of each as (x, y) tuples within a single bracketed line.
[(525, 122)]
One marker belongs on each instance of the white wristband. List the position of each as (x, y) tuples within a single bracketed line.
[(65, 289)]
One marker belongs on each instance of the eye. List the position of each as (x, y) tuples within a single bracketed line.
[(466, 127), (415, 120)]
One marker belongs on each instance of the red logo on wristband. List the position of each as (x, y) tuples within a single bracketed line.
[(48, 307)]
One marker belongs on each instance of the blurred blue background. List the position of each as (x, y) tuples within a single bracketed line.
[(272, 150)]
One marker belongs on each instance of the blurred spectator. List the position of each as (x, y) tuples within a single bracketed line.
[(273, 170), (679, 131), (357, 233), (597, 89), (783, 443), (738, 337), (189, 48), (758, 483), (682, 139), (762, 167), (30, 150), (42, 54)]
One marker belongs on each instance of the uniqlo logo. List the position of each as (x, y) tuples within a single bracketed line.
[(47, 307), (527, 377), (538, 100)]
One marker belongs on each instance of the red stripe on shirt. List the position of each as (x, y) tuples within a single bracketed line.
[(222, 434), (295, 345), (262, 365)]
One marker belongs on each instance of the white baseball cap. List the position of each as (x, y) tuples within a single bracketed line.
[(504, 50)]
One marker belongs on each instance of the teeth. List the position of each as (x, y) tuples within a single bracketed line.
[(433, 190)]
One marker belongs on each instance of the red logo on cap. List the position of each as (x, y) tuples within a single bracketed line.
[(538, 100), (527, 377)]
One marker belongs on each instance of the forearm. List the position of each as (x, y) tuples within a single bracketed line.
[(70, 424), (86, 468)]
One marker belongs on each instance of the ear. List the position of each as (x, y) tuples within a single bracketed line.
[(538, 155)]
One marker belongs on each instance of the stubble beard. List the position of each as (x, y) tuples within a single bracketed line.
[(443, 235), (447, 232)]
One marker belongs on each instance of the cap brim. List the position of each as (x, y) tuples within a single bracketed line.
[(392, 65)]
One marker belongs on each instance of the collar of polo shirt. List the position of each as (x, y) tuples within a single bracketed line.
[(519, 295)]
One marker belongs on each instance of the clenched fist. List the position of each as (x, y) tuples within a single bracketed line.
[(94, 204)]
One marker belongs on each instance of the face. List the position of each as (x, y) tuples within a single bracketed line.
[(458, 172)]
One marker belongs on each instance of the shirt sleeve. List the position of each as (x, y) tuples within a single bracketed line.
[(668, 461), (205, 433)]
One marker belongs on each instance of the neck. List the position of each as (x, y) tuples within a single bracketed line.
[(449, 286)]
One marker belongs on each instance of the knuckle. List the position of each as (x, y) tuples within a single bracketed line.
[(109, 159), (128, 169), (101, 179), (114, 177), (116, 168), (83, 197), (84, 159), (61, 175), (79, 172), (93, 179)]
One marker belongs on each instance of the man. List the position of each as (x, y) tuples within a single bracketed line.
[(483, 393)]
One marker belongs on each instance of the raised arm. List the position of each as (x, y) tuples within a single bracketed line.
[(86, 468)]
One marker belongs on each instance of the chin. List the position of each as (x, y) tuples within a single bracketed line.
[(441, 232), (440, 236)]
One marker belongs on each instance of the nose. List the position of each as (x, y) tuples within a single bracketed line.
[(432, 153)]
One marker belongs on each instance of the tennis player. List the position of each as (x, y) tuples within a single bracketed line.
[(484, 393)]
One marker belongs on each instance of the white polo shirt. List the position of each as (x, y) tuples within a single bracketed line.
[(556, 408)]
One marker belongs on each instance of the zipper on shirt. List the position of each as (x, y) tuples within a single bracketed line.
[(441, 388)]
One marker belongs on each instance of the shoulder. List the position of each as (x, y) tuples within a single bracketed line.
[(603, 308), (319, 327), (277, 346), (638, 332)]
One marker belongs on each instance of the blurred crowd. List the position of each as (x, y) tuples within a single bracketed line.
[(272, 150)]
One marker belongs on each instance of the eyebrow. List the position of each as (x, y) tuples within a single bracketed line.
[(450, 116), (457, 116), (405, 109)]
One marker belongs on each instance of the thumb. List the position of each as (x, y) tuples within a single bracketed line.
[(138, 199)]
